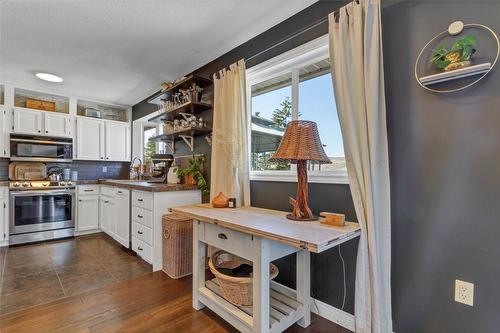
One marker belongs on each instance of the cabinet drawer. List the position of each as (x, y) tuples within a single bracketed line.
[(142, 232), (230, 240), (142, 216), (108, 190), (142, 249), (142, 199), (88, 189)]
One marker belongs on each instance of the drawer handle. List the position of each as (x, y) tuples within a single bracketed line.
[(88, 190), (222, 236), (139, 232), (140, 216), (106, 201), (140, 200), (120, 192), (140, 248), (166, 234)]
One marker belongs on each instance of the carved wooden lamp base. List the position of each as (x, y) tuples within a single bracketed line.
[(300, 208)]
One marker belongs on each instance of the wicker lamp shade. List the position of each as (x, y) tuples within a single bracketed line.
[(301, 143)]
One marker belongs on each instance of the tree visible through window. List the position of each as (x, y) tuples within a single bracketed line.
[(272, 110)]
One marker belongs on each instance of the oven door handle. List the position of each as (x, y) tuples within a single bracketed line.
[(29, 193)]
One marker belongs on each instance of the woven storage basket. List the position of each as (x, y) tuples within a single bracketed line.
[(177, 245), (236, 290)]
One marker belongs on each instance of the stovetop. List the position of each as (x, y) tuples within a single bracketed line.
[(40, 185)]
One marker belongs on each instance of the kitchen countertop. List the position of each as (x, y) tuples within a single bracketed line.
[(140, 185)]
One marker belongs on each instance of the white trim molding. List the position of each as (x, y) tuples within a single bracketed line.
[(322, 177), (339, 317)]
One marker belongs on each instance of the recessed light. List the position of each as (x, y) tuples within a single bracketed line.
[(49, 77)]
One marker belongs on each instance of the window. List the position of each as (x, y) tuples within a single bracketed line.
[(294, 85), (149, 148)]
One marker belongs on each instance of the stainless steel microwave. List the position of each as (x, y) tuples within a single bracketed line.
[(40, 149)]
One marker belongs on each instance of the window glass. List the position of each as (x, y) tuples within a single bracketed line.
[(149, 145), (271, 111), (317, 103)]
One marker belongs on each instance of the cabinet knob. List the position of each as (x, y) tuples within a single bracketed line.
[(222, 236), (46, 131), (39, 131), (139, 248), (140, 216), (140, 200), (139, 232), (79, 200), (101, 157)]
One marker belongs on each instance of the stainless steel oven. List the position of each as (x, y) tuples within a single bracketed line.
[(37, 215), (40, 149)]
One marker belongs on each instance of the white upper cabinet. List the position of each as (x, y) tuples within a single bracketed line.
[(98, 139), (89, 139), (57, 124), (117, 141), (27, 121), (34, 122), (4, 134)]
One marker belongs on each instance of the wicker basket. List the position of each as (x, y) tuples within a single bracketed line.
[(177, 245), (236, 290)]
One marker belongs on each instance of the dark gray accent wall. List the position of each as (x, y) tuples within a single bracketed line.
[(445, 162), (327, 283)]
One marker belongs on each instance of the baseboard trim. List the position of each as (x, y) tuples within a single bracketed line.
[(4, 243), (331, 313), (87, 232)]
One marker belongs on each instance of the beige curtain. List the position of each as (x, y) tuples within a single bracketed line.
[(358, 79), (230, 164)]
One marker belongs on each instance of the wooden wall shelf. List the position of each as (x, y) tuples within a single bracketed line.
[(184, 84), (190, 107)]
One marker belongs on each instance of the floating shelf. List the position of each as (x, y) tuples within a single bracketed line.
[(187, 135), (455, 74), (184, 84), (190, 107)]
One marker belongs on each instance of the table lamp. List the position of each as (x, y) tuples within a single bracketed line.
[(300, 144)]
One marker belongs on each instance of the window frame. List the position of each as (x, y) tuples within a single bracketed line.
[(290, 62)]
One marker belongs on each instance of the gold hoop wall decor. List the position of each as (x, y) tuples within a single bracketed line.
[(482, 69)]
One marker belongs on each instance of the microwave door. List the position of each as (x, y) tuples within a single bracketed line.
[(41, 150)]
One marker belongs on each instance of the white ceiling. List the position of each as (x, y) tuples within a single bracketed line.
[(121, 51)]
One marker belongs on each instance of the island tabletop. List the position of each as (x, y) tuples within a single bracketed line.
[(271, 224)]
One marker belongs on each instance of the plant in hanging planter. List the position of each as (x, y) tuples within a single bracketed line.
[(458, 56), (193, 174)]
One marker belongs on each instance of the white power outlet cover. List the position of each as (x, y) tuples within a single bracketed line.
[(464, 292), (104, 169)]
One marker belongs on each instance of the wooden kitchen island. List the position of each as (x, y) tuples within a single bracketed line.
[(261, 236)]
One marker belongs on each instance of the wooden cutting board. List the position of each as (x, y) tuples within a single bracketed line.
[(27, 171)]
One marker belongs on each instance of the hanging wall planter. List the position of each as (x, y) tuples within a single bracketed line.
[(457, 58)]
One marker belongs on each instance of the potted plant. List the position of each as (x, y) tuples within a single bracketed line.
[(458, 56), (193, 174)]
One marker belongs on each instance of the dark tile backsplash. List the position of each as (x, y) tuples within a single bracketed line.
[(86, 169)]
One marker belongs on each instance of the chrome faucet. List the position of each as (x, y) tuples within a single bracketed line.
[(140, 174)]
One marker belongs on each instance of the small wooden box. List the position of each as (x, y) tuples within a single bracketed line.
[(40, 105)]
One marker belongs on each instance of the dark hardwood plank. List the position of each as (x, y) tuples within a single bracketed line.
[(149, 303)]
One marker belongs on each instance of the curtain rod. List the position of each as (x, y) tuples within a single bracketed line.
[(292, 36)]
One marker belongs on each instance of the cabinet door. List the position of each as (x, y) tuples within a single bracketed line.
[(27, 121), (57, 124), (88, 213), (89, 139), (108, 215), (4, 133), (117, 141), (122, 231)]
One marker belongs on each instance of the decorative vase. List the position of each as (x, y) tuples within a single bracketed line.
[(189, 179), (220, 201)]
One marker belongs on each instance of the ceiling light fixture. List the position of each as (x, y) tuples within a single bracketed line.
[(49, 77)]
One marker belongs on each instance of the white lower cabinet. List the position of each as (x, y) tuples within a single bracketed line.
[(148, 209), (4, 216), (87, 208), (115, 213)]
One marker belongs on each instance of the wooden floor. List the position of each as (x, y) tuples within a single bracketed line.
[(148, 303)]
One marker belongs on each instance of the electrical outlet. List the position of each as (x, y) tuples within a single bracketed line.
[(104, 169), (464, 292)]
